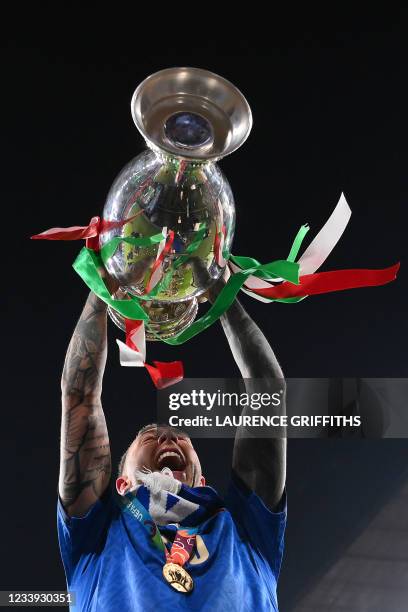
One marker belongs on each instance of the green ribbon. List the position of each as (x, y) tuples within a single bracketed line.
[(283, 268), (297, 242), (88, 262), (86, 265), (191, 247), (248, 262), (163, 284), (110, 247), (291, 257)]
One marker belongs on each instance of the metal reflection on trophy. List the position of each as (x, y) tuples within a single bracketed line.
[(189, 118)]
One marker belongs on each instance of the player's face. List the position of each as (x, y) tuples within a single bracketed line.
[(161, 447)]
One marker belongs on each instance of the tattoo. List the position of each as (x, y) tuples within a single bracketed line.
[(86, 356), (85, 454), (260, 463)]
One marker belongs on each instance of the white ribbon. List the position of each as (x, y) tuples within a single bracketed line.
[(158, 273), (325, 241), (315, 254), (129, 357)]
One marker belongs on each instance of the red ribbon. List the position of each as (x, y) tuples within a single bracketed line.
[(131, 326), (182, 166), (159, 260), (75, 232), (325, 282), (163, 374), (88, 232)]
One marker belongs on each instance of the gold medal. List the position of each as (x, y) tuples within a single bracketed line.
[(178, 578)]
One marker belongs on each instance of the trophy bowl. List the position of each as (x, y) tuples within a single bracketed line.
[(189, 118)]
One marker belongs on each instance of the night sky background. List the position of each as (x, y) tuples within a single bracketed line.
[(329, 100)]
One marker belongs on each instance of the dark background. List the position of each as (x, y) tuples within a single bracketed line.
[(329, 99)]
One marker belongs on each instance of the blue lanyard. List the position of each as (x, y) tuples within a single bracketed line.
[(132, 506)]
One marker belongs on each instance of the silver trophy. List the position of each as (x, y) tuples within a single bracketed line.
[(190, 118)]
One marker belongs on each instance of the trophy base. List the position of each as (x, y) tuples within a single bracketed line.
[(166, 319)]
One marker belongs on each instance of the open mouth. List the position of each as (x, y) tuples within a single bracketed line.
[(171, 459)]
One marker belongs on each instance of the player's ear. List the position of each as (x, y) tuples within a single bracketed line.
[(122, 485), (202, 481)]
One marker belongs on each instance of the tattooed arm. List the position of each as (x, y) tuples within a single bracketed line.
[(85, 463), (259, 462)]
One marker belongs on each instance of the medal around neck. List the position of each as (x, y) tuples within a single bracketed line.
[(189, 118), (181, 549), (178, 577)]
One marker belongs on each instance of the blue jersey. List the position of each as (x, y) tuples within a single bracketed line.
[(112, 566)]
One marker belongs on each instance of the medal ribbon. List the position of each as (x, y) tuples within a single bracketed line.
[(132, 506), (184, 540), (133, 353), (182, 547)]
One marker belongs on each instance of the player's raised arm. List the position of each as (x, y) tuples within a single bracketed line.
[(85, 461), (259, 462)]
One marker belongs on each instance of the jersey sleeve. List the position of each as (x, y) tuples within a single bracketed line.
[(263, 529), (80, 537)]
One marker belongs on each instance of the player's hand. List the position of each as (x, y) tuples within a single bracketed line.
[(202, 277), (111, 283), (218, 286)]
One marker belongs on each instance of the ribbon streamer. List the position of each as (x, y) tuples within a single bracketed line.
[(313, 257), (76, 232), (108, 249), (337, 280), (177, 262), (88, 232), (281, 280), (253, 282), (157, 269), (325, 241), (318, 250), (286, 269), (133, 354), (86, 265)]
